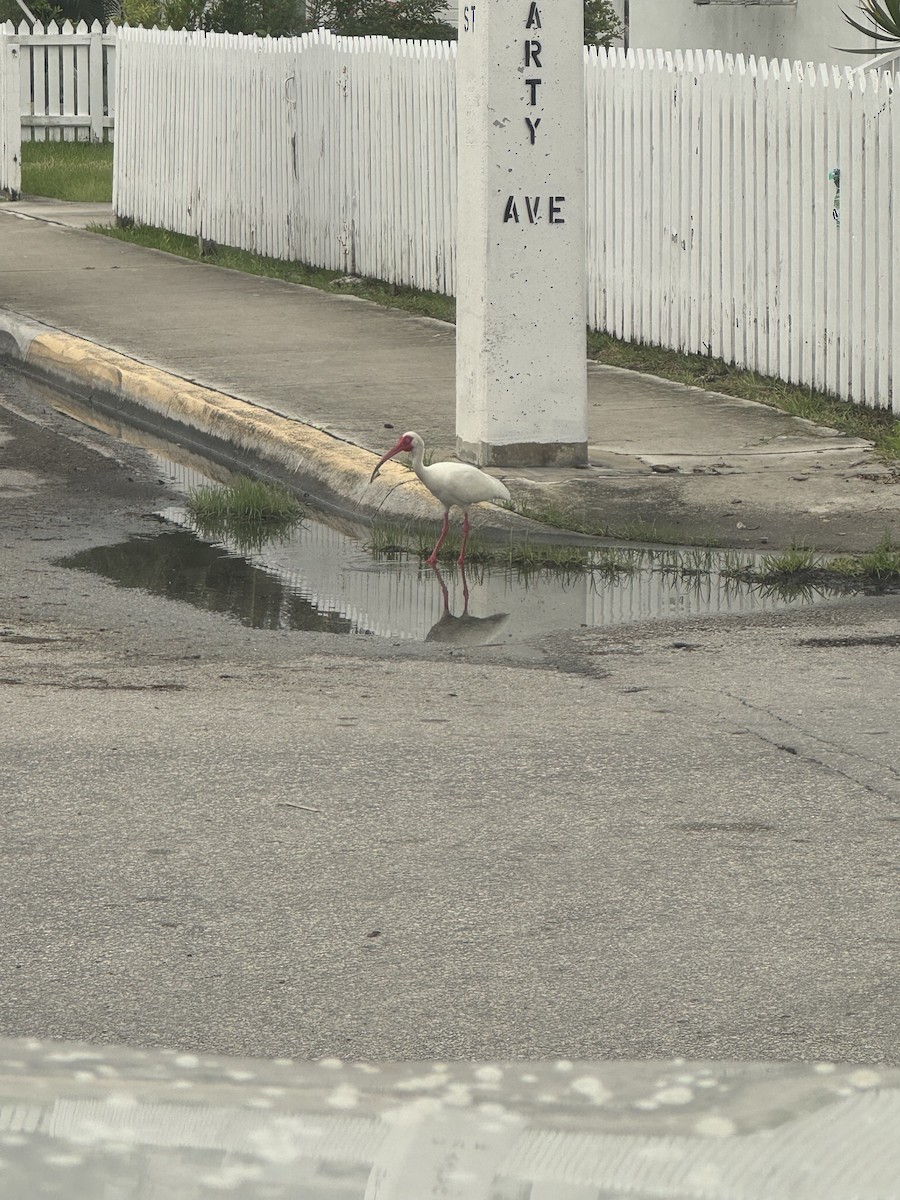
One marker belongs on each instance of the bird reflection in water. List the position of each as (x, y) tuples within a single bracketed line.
[(464, 630)]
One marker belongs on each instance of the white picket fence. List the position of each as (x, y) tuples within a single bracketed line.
[(714, 227), (334, 151), (66, 80), (10, 137), (712, 221)]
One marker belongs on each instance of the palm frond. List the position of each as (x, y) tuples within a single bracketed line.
[(884, 27)]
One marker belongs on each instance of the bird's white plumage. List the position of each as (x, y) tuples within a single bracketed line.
[(454, 484)]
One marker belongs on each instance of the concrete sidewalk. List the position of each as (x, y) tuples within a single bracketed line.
[(317, 383)]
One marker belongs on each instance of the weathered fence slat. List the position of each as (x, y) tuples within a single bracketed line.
[(10, 130)]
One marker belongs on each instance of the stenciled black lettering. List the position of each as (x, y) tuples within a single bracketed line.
[(532, 50), (532, 208), (511, 213), (555, 204), (532, 127), (534, 16), (533, 85)]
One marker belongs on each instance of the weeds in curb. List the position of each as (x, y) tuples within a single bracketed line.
[(248, 513), (798, 571), (651, 532), (802, 566)]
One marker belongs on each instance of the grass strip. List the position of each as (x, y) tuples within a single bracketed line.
[(74, 171), (422, 304), (788, 573)]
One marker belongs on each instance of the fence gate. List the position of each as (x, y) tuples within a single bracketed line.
[(67, 80)]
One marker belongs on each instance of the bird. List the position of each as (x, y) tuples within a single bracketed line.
[(454, 484)]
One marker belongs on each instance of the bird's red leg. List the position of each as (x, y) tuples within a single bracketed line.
[(465, 538), (432, 558)]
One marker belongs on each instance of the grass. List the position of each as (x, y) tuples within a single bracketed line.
[(653, 532), (248, 513), (388, 541), (77, 171), (793, 572), (422, 304), (802, 565), (713, 374)]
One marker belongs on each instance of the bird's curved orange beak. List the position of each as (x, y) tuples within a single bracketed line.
[(398, 449)]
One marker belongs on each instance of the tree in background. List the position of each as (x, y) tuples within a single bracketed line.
[(601, 24), (281, 18), (884, 24), (391, 18)]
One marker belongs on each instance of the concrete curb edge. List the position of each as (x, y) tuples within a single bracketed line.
[(335, 471)]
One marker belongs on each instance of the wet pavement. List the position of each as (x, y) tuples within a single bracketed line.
[(324, 576), (665, 838)]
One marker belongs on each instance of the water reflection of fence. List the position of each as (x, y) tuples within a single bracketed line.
[(402, 599)]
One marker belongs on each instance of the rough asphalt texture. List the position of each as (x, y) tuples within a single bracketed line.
[(677, 839), (672, 840)]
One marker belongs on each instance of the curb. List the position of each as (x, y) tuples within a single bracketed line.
[(306, 459)]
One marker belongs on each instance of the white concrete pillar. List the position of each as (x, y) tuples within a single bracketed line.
[(521, 373)]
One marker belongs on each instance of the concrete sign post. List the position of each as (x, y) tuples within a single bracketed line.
[(521, 374)]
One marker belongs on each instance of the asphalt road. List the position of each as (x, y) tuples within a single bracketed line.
[(677, 839)]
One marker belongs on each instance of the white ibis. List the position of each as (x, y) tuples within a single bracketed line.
[(454, 484)]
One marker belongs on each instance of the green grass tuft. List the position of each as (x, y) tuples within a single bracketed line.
[(76, 171), (246, 500), (882, 563), (248, 513), (802, 567), (798, 560)]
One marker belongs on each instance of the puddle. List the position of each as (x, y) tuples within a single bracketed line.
[(177, 564), (322, 577)]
